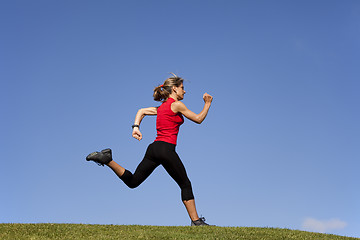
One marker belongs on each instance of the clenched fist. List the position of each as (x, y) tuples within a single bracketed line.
[(207, 98), (137, 134)]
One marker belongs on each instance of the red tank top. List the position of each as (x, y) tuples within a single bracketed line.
[(168, 122)]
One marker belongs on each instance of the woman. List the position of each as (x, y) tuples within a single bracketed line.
[(162, 150)]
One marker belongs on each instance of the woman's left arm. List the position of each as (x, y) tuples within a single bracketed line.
[(139, 117), (197, 118)]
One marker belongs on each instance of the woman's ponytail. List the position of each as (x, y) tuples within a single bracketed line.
[(162, 92)]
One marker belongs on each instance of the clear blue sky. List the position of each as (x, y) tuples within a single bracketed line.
[(279, 148)]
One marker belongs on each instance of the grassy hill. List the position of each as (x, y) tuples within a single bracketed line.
[(98, 232)]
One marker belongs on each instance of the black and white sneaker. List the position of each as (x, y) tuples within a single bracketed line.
[(199, 222), (101, 158)]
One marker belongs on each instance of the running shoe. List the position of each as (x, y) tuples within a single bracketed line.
[(101, 158), (199, 222)]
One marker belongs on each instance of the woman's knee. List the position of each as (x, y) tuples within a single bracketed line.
[(129, 180), (133, 185)]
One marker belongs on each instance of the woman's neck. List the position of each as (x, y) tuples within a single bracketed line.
[(173, 96)]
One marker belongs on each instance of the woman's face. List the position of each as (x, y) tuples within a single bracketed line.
[(180, 91)]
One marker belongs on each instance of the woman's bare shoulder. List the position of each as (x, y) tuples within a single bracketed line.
[(178, 106)]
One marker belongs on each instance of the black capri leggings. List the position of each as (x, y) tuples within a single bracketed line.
[(161, 153)]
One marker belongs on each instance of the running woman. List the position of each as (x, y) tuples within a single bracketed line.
[(162, 151)]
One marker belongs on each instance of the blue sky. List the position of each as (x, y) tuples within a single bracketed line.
[(279, 148)]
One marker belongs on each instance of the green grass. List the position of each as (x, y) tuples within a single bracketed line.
[(98, 232)]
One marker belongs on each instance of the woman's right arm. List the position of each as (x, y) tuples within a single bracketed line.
[(139, 117), (197, 118)]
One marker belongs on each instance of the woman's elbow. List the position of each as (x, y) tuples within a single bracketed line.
[(140, 111), (198, 120)]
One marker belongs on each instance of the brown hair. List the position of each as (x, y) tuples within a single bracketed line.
[(162, 92)]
